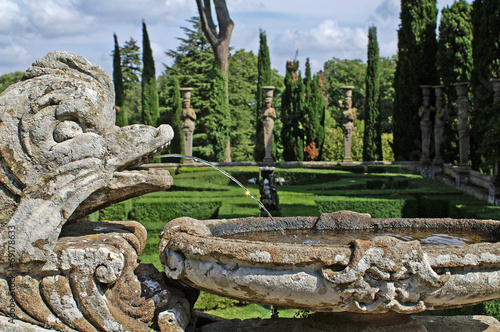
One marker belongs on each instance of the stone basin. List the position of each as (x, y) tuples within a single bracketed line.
[(378, 275)]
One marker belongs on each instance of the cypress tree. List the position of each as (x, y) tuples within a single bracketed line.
[(313, 110), (218, 122), (149, 96), (263, 79), (486, 65), (372, 139), (416, 65), (454, 61), (121, 116), (177, 145), (291, 114)]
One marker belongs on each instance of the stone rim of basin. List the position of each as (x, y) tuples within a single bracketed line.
[(376, 276)]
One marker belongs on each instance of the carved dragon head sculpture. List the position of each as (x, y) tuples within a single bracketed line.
[(61, 155)]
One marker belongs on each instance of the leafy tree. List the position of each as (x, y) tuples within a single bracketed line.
[(314, 113), (150, 112), (263, 79), (8, 79), (292, 114), (372, 139), (387, 68), (121, 116), (416, 65), (338, 73)]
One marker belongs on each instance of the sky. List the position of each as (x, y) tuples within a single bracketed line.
[(315, 29)]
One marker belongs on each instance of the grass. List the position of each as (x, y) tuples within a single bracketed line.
[(385, 191)]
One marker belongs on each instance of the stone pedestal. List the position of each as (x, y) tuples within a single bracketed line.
[(463, 122), (268, 116), (188, 118), (425, 123), (439, 124), (349, 115)]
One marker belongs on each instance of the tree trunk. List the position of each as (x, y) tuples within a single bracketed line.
[(219, 40)]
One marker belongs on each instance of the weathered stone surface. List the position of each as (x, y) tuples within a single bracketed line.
[(60, 149), (61, 158), (377, 276), (349, 323)]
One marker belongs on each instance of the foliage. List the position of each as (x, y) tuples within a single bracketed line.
[(390, 207), (218, 120), (486, 64), (177, 145), (372, 140), (131, 63), (416, 65), (292, 114), (387, 68), (8, 79), (242, 80), (121, 113), (339, 73), (263, 79), (149, 95), (314, 115)]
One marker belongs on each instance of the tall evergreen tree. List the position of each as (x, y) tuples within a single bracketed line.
[(292, 114), (263, 79), (242, 78), (177, 145), (121, 113), (313, 110), (150, 111), (131, 63), (218, 122), (416, 65), (486, 65), (454, 60), (372, 139)]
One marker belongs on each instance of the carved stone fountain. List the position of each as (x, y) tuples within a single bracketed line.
[(381, 275)]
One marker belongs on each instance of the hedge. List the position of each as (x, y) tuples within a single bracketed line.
[(394, 207)]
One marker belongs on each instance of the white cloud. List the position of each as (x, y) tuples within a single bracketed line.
[(328, 37)]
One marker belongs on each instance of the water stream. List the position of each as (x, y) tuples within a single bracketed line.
[(226, 174)]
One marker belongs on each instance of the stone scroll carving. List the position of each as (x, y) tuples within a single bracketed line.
[(385, 274), (61, 158)]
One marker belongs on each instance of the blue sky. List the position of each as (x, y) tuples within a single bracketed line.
[(318, 29)]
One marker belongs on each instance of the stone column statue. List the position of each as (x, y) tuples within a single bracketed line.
[(441, 114), (463, 122), (425, 123), (348, 117), (268, 116), (188, 117)]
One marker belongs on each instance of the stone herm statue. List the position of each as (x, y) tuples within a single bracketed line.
[(61, 158), (425, 123), (348, 118), (441, 115), (268, 116), (463, 122), (188, 116)]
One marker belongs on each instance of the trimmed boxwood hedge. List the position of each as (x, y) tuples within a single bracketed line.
[(394, 207)]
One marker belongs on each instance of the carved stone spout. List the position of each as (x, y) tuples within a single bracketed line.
[(62, 158)]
